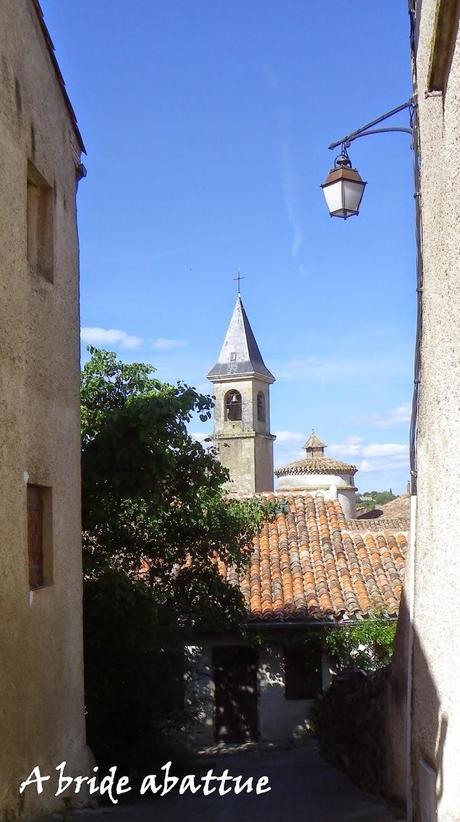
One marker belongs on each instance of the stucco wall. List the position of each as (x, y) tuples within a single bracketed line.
[(436, 700), (41, 683), (279, 719)]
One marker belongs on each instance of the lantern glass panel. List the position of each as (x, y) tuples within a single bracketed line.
[(333, 196), (352, 194)]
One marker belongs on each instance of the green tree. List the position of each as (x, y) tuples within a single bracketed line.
[(151, 493), (368, 645), (155, 517)]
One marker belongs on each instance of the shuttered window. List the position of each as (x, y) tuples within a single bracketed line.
[(302, 671), (35, 535)]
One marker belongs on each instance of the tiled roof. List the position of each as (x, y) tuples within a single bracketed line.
[(314, 441), (316, 465), (313, 564), (55, 64)]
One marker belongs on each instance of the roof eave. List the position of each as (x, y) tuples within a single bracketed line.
[(217, 374), (60, 78)]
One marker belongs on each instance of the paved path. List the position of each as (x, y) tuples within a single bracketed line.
[(303, 789)]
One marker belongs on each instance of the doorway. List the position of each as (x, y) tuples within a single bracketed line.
[(235, 677)]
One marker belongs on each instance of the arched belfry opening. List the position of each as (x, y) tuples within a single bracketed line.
[(233, 406), (261, 406), (241, 383)]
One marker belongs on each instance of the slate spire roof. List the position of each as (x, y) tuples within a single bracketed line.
[(240, 355)]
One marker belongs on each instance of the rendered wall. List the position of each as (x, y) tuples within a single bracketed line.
[(41, 663), (435, 695), (279, 719)]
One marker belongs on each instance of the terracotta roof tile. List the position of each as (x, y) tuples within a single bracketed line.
[(312, 563), (316, 465)]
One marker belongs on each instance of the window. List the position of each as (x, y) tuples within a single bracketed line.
[(261, 407), (39, 535), (443, 45), (40, 245), (302, 671), (233, 406)]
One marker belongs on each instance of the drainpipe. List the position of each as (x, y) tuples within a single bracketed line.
[(410, 596), (410, 571)]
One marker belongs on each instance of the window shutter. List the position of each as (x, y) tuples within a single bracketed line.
[(35, 536)]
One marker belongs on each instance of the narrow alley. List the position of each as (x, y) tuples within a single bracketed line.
[(303, 789)]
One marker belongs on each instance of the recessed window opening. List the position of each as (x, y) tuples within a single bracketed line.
[(39, 535), (302, 672), (40, 228), (233, 406), (261, 407)]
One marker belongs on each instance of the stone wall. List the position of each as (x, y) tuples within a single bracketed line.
[(41, 659), (355, 726), (350, 724), (436, 639)]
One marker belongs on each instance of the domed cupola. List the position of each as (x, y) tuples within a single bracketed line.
[(317, 472)]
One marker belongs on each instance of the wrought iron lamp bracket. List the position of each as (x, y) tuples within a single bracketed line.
[(369, 129)]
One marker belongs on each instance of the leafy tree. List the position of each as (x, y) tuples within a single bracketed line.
[(152, 495), (155, 516), (368, 645), (133, 677), (369, 499)]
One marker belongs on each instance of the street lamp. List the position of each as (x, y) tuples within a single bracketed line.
[(343, 190)]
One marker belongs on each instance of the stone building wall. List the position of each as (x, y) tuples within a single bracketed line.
[(41, 663), (435, 719), (360, 727), (245, 446)]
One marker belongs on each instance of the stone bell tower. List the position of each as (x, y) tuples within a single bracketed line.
[(242, 410)]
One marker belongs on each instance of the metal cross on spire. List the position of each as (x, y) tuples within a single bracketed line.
[(238, 279)]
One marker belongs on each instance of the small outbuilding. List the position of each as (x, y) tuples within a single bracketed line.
[(311, 568)]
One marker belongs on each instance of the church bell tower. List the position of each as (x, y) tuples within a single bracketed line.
[(242, 408)]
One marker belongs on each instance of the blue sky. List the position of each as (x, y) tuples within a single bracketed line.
[(206, 124)]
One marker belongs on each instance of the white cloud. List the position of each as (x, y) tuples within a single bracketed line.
[(385, 449), (93, 335), (395, 416), (373, 457), (201, 436), (288, 447), (290, 437), (350, 448), (163, 344)]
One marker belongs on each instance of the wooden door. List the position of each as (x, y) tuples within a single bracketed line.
[(235, 677)]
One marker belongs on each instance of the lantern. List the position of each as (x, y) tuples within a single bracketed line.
[(343, 188)]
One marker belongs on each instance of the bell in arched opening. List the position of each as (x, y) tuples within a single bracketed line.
[(233, 406)]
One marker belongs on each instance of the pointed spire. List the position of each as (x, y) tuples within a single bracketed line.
[(240, 355)]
